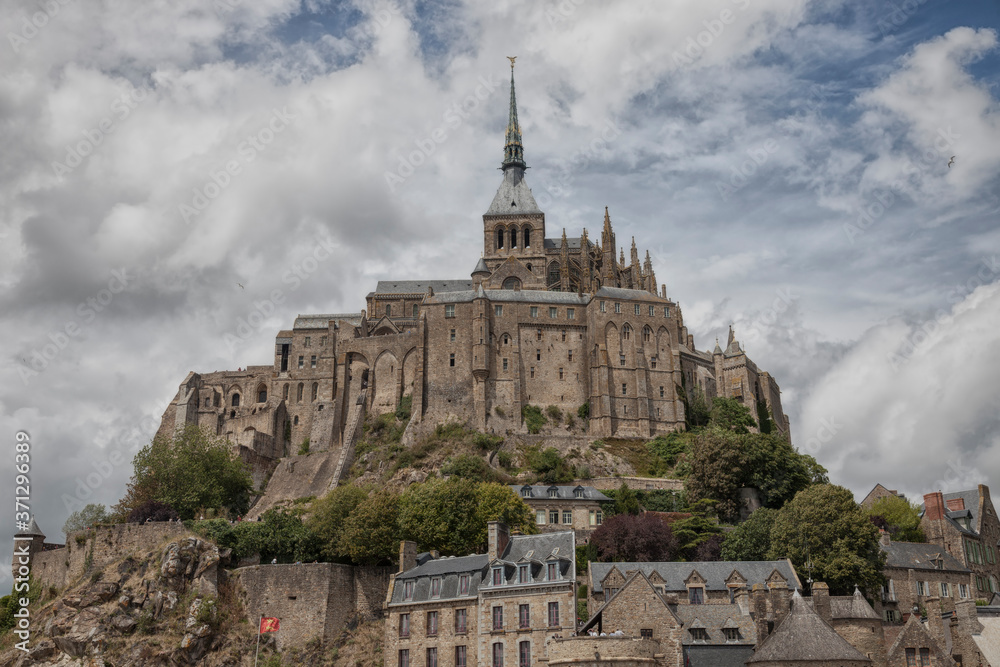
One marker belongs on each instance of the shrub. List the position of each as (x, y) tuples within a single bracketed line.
[(505, 459), (554, 413), (450, 430), (533, 417), (487, 442), (570, 422), (583, 412), (304, 447), (500, 411), (549, 465), (405, 408), (468, 467), (153, 510)]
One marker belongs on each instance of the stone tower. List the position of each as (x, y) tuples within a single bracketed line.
[(27, 543)]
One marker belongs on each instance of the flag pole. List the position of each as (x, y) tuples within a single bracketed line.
[(255, 656)]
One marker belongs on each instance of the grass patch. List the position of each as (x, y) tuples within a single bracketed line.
[(533, 417)]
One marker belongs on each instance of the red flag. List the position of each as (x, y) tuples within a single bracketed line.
[(269, 625)]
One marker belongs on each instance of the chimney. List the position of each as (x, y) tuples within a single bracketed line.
[(935, 625), (884, 539), (955, 504), (934, 506), (968, 617), (499, 535), (741, 598), (758, 606), (821, 601), (780, 601), (407, 555)]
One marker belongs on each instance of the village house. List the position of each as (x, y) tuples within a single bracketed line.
[(564, 507), (916, 571), (965, 524)]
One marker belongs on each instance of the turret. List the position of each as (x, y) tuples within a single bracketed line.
[(27, 542), (480, 273)]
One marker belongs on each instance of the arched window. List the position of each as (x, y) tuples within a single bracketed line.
[(512, 283), (236, 400), (262, 393), (500, 239), (388, 310), (554, 274), (513, 238), (626, 332), (416, 308), (315, 391), (647, 334), (527, 237), (298, 395), (506, 339), (284, 392)]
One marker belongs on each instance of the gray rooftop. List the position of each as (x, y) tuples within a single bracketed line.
[(514, 196), (714, 573), (542, 492), (630, 294), (804, 637), (572, 243), (913, 555), (322, 321), (481, 267), (420, 286), (32, 530), (522, 296), (713, 618)]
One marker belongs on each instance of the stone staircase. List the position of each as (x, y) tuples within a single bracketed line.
[(352, 432)]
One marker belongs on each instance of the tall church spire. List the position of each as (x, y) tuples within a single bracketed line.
[(513, 151)]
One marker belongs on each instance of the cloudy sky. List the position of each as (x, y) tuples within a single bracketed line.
[(786, 162)]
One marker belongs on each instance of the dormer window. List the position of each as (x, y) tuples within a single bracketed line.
[(553, 492), (497, 576), (526, 492), (553, 571), (436, 587), (408, 590), (699, 634), (732, 634), (463, 585), (578, 492), (696, 595), (523, 574)]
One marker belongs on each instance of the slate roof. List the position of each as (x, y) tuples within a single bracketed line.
[(420, 286), (321, 321), (31, 531), (907, 555), (851, 606), (480, 267), (715, 573), (707, 655), (572, 243), (513, 197), (971, 499), (541, 492), (714, 618), (630, 294), (802, 637), (507, 295)]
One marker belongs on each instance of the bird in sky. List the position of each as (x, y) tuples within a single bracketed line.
[(241, 284), (951, 161)]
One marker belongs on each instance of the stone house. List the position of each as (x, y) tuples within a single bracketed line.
[(561, 507), (498, 608), (915, 645), (691, 583), (966, 525), (879, 491), (917, 571)]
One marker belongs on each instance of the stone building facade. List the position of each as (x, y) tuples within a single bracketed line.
[(564, 507), (966, 525), (499, 608), (917, 571), (562, 321)]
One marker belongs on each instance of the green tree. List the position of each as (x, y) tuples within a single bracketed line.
[(823, 525), (85, 518), (717, 471), (752, 539), (698, 411), (696, 529), (193, 470), (497, 502), (626, 501), (901, 517), (330, 513), (278, 535), (731, 415), (549, 465), (371, 534), (777, 469)]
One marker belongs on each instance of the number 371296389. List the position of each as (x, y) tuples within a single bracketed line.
[(22, 464)]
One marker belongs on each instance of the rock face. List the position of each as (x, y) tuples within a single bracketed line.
[(131, 599)]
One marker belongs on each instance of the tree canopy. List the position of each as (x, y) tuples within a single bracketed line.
[(823, 526), (898, 516), (752, 539), (731, 415), (86, 517), (642, 538)]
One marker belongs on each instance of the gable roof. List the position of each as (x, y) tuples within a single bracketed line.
[(541, 492), (804, 637), (852, 606), (635, 579), (715, 573), (513, 197), (918, 556), (714, 618)]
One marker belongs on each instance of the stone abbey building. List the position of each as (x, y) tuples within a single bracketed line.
[(540, 320)]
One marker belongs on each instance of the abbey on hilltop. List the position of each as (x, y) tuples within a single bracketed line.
[(562, 321)]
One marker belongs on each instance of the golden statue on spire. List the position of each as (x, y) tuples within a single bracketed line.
[(512, 59)]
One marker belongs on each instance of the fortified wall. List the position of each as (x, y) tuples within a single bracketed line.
[(312, 600)]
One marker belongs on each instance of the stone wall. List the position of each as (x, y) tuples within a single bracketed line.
[(311, 600), (104, 545), (604, 651)]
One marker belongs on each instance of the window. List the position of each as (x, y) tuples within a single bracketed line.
[(498, 655), (571, 355), (498, 310), (388, 310), (294, 421), (505, 364), (302, 361), (567, 516), (696, 595), (624, 389), (432, 623), (497, 576), (524, 616), (553, 313), (553, 571), (595, 517), (532, 371), (732, 634), (578, 493), (647, 334), (538, 355), (553, 614), (463, 585), (315, 390), (553, 516), (498, 618), (404, 625), (307, 342), (451, 359), (436, 587), (500, 236), (651, 309), (564, 335), (538, 335), (921, 589), (416, 308), (666, 311), (523, 574), (524, 654), (298, 393), (603, 307), (918, 660), (534, 311), (261, 395), (408, 590), (571, 313), (461, 621), (618, 308), (560, 374), (527, 238), (699, 634), (621, 359), (626, 332), (513, 239), (461, 657), (449, 310), (432, 657), (963, 590), (312, 361), (404, 657), (945, 590), (540, 517), (451, 336), (646, 633), (661, 392), (636, 309)]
